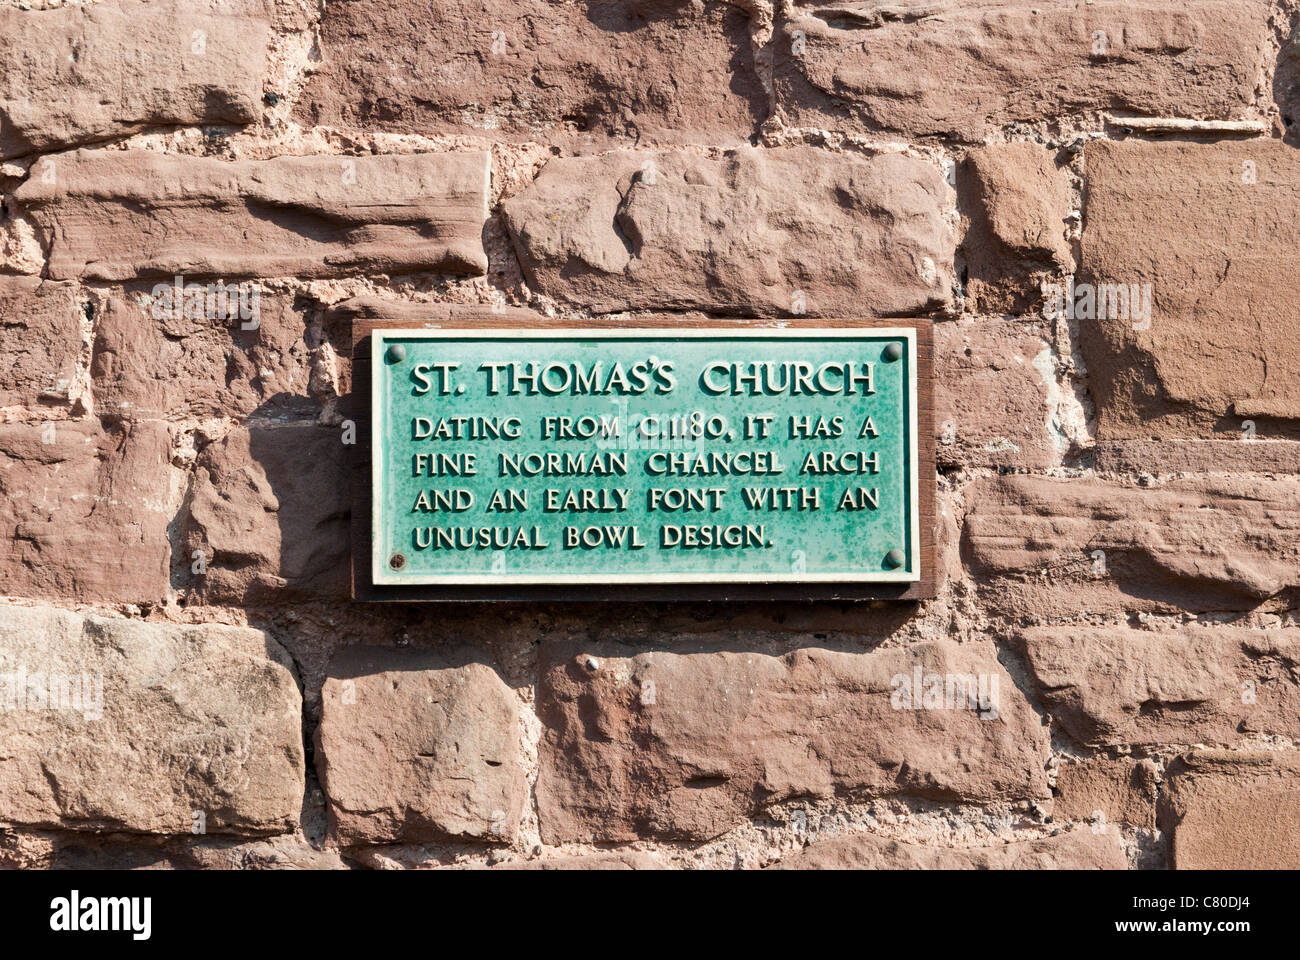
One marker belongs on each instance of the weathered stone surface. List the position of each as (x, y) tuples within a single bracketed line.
[(113, 215), (757, 231), (84, 510), (1163, 458), (598, 861), (963, 70), (1074, 850), (1233, 811), (991, 386), (41, 324), (71, 850), (650, 70), (150, 362), (689, 744), (416, 745), (1214, 229), (189, 719), (947, 539), (76, 74), (273, 853), (1016, 203), (421, 312), (1197, 543), (269, 507), (1119, 685), (20, 251), (1121, 791), (25, 849)]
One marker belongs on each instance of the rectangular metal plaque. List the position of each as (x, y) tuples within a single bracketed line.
[(567, 457)]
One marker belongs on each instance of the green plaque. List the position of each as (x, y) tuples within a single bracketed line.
[(568, 457)]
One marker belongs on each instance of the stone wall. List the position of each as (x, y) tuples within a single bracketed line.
[(1096, 205)]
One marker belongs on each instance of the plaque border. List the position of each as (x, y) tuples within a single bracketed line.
[(382, 576), (475, 319)]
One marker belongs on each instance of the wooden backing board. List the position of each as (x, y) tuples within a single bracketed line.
[(472, 318)]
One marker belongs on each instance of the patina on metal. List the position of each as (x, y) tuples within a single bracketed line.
[(644, 456)]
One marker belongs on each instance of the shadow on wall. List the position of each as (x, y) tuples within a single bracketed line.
[(267, 514), (1286, 83)]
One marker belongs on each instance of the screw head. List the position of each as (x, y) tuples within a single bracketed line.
[(397, 561), (396, 353), (895, 558), (893, 351)]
